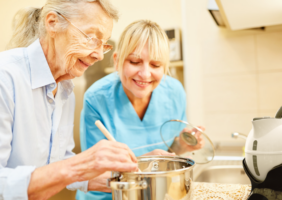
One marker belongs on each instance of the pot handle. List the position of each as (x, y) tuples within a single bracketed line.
[(115, 184)]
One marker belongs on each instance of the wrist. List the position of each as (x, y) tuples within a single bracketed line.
[(92, 185), (70, 171), (177, 147), (99, 183)]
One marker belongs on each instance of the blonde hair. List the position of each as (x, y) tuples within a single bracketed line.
[(29, 23), (134, 38)]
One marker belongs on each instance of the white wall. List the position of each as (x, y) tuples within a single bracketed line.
[(167, 13), (231, 77), (8, 9)]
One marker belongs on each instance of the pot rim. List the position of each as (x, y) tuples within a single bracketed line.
[(176, 158)]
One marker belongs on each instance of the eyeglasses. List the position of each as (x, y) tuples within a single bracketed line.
[(92, 42)]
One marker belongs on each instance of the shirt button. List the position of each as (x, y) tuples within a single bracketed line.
[(50, 101), (52, 85)]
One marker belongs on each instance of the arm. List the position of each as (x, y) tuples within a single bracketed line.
[(26, 182), (100, 183), (19, 177), (104, 156), (179, 146), (15, 182)]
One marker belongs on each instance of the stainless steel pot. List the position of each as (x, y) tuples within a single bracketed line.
[(162, 178)]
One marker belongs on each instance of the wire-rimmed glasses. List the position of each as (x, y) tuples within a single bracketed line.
[(92, 42)]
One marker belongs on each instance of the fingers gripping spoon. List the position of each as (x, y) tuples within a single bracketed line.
[(107, 134)]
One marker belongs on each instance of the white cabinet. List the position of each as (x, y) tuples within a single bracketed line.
[(245, 14)]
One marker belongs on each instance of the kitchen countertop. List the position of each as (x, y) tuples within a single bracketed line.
[(222, 191), (215, 191)]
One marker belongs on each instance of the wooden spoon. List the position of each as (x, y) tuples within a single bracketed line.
[(109, 136)]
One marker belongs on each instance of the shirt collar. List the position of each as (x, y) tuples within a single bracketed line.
[(67, 86), (39, 69)]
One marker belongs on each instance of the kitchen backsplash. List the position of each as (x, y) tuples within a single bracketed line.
[(230, 76)]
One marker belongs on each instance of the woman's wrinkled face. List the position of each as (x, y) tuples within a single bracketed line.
[(71, 46), (141, 75)]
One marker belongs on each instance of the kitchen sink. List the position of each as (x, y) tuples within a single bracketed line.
[(222, 169), (224, 174)]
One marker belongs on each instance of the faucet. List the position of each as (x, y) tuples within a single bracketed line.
[(238, 135)]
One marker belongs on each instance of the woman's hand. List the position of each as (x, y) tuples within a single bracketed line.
[(100, 183), (159, 152), (103, 156), (197, 135), (179, 146)]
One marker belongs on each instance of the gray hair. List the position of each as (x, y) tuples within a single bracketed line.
[(29, 23)]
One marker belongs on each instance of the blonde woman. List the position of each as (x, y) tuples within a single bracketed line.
[(52, 45), (134, 103)]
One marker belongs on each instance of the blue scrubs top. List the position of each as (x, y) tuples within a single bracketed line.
[(106, 101)]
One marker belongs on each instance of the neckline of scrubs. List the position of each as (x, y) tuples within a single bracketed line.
[(129, 107)]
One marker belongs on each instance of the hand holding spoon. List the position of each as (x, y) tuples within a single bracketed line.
[(107, 134)]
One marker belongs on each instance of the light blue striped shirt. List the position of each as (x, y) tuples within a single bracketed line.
[(35, 128)]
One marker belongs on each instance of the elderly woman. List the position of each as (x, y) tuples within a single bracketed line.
[(135, 103), (58, 42)]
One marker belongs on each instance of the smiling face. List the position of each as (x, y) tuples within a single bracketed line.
[(140, 74), (72, 53)]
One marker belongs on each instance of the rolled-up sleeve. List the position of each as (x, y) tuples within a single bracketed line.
[(82, 186), (13, 182)]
